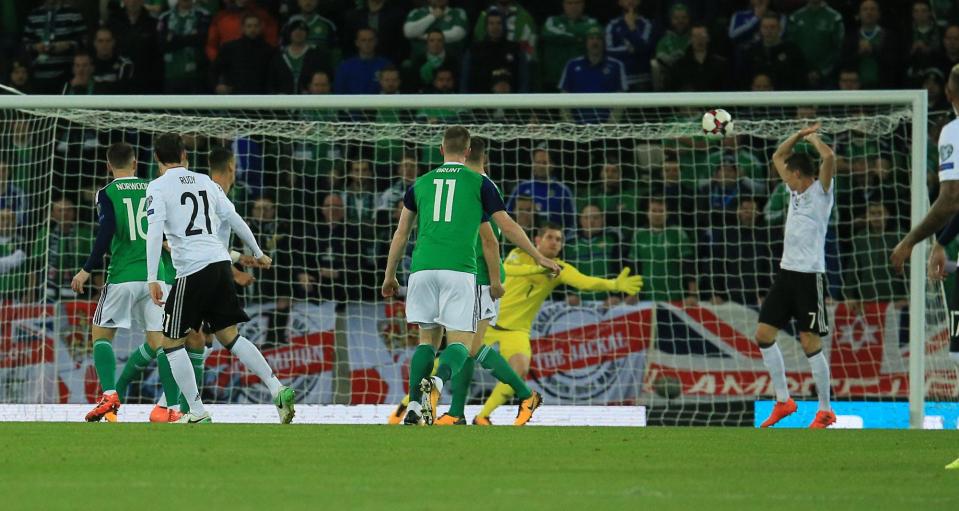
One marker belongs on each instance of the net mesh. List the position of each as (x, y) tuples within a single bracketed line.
[(700, 218)]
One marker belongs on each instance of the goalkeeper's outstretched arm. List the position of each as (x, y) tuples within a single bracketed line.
[(397, 247), (624, 282)]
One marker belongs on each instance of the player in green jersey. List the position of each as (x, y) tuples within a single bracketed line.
[(125, 299), (451, 206)]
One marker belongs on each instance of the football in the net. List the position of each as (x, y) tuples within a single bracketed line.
[(717, 123)]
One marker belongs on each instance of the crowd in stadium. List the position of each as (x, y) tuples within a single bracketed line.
[(699, 224), (500, 46)]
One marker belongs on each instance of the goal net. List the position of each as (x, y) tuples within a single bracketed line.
[(630, 178)]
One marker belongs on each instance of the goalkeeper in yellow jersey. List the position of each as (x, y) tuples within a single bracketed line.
[(527, 287)]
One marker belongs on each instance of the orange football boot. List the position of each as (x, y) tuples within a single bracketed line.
[(108, 403), (527, 407), (450, 420), (161, 414), (824, 419), (481, 421), (780, 412), (397, 416)]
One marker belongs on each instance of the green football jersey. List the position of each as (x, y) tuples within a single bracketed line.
[(128, 249), (482, 272), (449, 202)]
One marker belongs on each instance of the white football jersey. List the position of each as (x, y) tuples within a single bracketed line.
[(948, 145), (804, 249), (190, 208)]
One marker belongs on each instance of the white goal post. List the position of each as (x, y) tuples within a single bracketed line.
[(170, 112)]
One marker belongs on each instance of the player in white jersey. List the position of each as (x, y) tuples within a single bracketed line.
[(942, 215), (799, 290), (188, 208)]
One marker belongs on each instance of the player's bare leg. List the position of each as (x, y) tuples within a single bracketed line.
[(283, 397), (773, 360), (106, 366), (812, 347)]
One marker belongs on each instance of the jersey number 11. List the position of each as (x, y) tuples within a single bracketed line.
[(438, 198)]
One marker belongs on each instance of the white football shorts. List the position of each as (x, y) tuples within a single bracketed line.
[(443, 298), (128, 305)]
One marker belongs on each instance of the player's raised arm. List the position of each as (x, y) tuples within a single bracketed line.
[(398, 245), (827, 169), (491, 255), (106, 218), (785, 150)]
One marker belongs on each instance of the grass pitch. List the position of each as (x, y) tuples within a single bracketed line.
[(265, 467)]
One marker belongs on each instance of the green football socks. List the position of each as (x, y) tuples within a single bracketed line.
[(137, 363), (421, 365), (106, 364)]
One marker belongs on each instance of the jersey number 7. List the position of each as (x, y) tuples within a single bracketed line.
[(190, 229)]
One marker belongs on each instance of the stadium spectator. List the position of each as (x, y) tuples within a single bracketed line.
[(437, 15), (679, 197), (596, 250), (869, 277), (526, 213), (229, 25), (242, 65), (935, 86), (135, 31), (780, 60), (874, 180), (358, 75), (631, 38), (386, 18), (66, 244), (321, 32), (406, 172), (818, 31), (502, 84), (762, 82), (359, 199), (326, 253), (872, 49), (949, 56), (292, 67), (553, 199), (926, 34), (81, 84), (319, 83), (13, 269), (52, 33), (182, 33), (738, 257), (418, 72), (701, 69), (520, 25), (744, 26), (562, 39), (112, 73), (617, 198), (725, 189), (390, 81), (849, 79), (945, 12), (12, 197), (593, 72), (664, 256), (444, 82), (672, 45), (494, 54), (19, 77)]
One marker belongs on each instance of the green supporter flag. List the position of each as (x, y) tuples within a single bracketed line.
[(562, 39), (449, 209), (660, 255)]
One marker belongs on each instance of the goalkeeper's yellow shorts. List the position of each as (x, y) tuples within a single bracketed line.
[(511, 342)]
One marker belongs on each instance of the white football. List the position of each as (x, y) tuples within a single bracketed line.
[(718, 123)]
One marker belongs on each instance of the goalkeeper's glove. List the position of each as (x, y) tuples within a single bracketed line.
[(627, 284)]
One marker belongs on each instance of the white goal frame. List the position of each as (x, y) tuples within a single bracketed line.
[(915, 100)]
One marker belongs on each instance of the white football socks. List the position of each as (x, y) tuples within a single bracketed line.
[(182, 371), (251, 357), (773, 359), (820, 374)]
